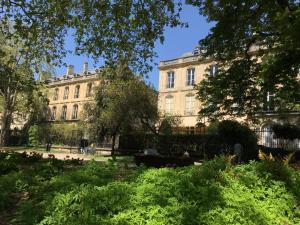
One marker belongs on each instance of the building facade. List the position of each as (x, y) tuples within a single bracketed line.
[(68, 94), (176, 87), (178, 97)]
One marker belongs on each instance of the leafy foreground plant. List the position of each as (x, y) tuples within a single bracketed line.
[(214, 193)]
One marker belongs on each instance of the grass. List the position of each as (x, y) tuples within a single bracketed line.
[(96, 157)]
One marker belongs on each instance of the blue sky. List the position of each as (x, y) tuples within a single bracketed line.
[(177, 42)]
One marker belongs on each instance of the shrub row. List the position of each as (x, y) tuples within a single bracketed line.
[(222, 140), (172, 144), (62, 133), (214, 193)]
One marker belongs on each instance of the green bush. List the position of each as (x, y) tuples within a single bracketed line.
[(62, 133), (215, 193), (33, 135)]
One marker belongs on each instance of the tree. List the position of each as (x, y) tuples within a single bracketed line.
[(36, 109), (118, 31), (16, 81), (113, 30), (257, 47), (168, 123), (121, 105)]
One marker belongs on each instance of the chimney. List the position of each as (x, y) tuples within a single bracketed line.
[(85, 67), (70, 70)]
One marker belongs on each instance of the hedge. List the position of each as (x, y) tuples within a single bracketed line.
[(226, 134), (172, 144)]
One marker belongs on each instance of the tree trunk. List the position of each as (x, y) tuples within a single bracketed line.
[(113, 145), (6, 121)]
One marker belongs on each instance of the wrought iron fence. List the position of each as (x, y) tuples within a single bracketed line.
[(267, 138)]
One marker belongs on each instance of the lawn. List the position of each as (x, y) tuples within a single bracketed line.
[(49, 191), (66, 152)]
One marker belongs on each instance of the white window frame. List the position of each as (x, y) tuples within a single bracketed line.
[(66, 93), (89, 89), (270, 98), (77, 91), (189, 104), (56, 94), (64, 112), (170, 79), (190, 76), (213, 70), (75, 112), (169, 104)]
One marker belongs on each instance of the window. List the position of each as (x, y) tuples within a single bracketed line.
[(64, 112), (213, 70), (189, 104), (235, 108), (170, 81), (66, 93), (77, 90), (53, 113), (55, 96), (190, 77), (75, 112), (169, 104), (89, 90), (270, 106)]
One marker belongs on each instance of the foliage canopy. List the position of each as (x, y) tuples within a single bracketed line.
[(114, 30), (257, 47)]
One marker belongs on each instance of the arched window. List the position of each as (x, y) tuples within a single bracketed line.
[(75, 112), (169, 104), (190, 77), (189, 104), (66, 93), (77, 91), (55, 95), (89, 90), (64, 112), (53, 113)]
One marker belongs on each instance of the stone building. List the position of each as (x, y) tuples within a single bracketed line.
[(177, 96), (176, 81), (68, 94)]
